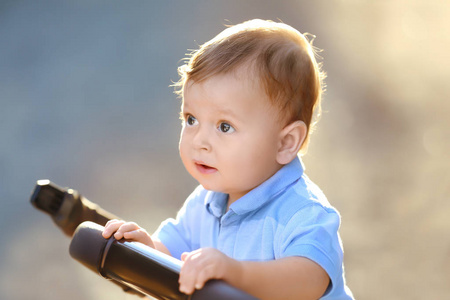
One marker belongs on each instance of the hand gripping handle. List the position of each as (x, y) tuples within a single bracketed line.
[(140, 267)]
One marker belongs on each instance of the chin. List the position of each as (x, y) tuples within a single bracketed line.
[(207, 186), (210, 187)]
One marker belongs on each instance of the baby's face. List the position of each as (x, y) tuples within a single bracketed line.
[(230, 134)]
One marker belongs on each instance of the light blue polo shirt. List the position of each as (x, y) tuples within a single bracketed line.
[(287, 215)]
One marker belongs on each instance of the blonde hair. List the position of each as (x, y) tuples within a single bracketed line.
[(282, 59)]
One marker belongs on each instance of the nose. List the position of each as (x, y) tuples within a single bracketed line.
[(201, 140)]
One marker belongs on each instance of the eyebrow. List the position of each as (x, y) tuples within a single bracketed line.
[(219, 111), (227, 112)]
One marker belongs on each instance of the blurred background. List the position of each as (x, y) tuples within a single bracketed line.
[(85, 102)]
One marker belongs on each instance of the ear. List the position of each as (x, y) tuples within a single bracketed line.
[(291, 140)]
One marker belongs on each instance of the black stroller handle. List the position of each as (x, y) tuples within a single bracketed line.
[(140, 267), (67, 207)]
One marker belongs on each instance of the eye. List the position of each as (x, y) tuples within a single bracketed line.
[(191, 120), (225, 127)]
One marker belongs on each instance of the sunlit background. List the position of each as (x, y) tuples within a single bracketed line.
[(85, 101)]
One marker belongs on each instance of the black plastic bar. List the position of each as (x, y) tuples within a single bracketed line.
[(140, 267), (67, 207)]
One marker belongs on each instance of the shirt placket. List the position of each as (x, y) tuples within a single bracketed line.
[(226, 236)]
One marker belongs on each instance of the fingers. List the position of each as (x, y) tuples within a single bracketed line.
[(138, 235), (128, 230), (200, 266), (111, 227), (189, 270), (203, 276), (184, 255)]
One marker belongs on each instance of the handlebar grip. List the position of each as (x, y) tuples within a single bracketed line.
[(140, 267), (67, 207)]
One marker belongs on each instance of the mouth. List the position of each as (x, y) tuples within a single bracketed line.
[(204, 169)]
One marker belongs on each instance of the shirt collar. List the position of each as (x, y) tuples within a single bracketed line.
[(216, 202)]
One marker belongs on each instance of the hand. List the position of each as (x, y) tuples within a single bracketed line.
[(127, 230), (204, 264)]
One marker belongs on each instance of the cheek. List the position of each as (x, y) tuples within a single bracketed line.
[(259, 147), (183, 137), (257, 156), (240, 157), (184, 154), (182, 144)]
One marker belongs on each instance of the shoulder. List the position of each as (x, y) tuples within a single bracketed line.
[(303, 202), (312, 193), (309, 227)]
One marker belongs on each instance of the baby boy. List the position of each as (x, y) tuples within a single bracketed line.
[(256, 220)]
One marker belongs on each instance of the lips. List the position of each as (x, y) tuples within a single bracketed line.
[(204, 169)]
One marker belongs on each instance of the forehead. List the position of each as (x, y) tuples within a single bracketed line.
[(226, 92)]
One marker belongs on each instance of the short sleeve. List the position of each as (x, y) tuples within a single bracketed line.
[(179, 235), (313, 233)]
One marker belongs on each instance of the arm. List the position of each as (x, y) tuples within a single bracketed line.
[(286, 278)]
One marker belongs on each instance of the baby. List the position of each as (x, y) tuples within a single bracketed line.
[(255, 221)]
